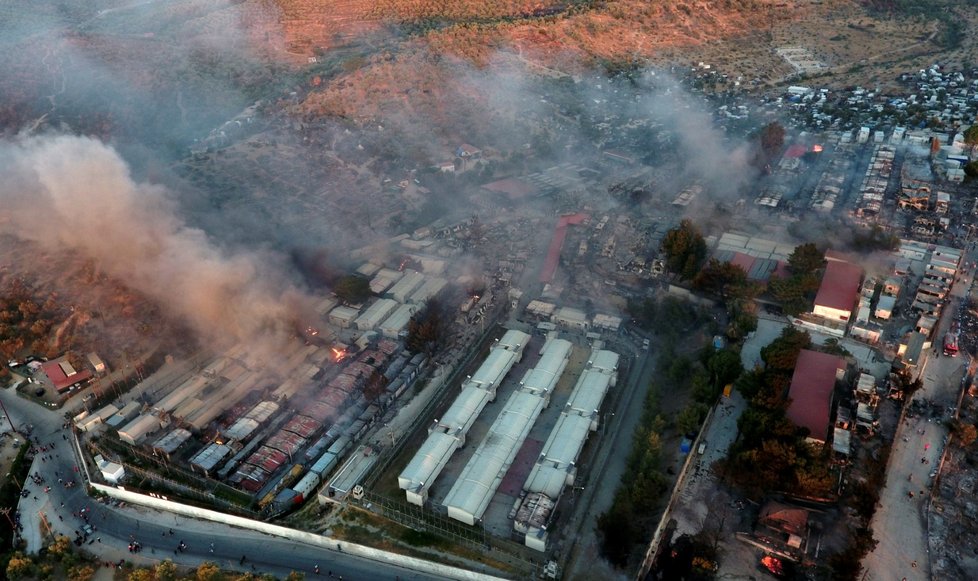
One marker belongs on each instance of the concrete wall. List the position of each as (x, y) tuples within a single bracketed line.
[(295, 535)]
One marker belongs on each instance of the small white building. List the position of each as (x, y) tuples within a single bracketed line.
[(374, 314), (343, 316), (397, 321), (112, 472)]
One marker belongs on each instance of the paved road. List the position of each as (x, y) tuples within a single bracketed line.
[(116, 527), (585, 561), (900, 523)]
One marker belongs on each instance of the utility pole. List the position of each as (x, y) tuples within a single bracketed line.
[(9, 421)]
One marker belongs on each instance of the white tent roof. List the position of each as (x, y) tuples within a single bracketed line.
[(513, 340), (563, 446), (464, 410), (494, 368), (428, 462), (135, 430), (604, 360), (589, 392), (480, 478)]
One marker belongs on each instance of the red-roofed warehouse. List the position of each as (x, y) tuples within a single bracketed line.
[(839, 291), (811, 391), (62, 375)]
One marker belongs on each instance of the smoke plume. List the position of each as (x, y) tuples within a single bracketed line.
[(76, 195)]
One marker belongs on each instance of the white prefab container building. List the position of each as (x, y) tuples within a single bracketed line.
[(348, 476), (130, 410), (397, 321), (469, 497), (307, 485), (409, 283), (374, 314), (187, 389), (217, 403), (343, 316), (111, 472), (606, 362), (571, 318), (430, 288), (418, 476), (135, 431), (383, 280)]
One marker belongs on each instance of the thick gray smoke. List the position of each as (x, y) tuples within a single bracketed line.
[(75, 194)]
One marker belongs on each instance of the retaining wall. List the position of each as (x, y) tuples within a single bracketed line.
[(412, 563)]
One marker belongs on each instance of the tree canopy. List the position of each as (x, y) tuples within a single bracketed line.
[(971, 137), (685, 250), (353, 288), (806, 258), (722, 279), (770, 452)]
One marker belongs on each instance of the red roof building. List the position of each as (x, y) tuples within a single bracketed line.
[(63, 375), (811, 391), (556, 243), (839, 290)]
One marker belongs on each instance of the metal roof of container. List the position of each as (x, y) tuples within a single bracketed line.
[(604, 361), (592, 386), (170, 442), (480, 478), (241, 429), (428, 461), (470, 402), (549, 474), (494, 368), (211, 456)]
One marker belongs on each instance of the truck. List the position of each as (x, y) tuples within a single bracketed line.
[(951, 340)]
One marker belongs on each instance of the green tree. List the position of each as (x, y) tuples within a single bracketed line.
[(782, 353), (353, 288), (796, 293), (725, 367), (691, 418), (618, 528), (743, 319), (971, 138), (61, 546), (806, 259), (685, 249), (971, 169), (722, 279), (375, 387), (965, 432)]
